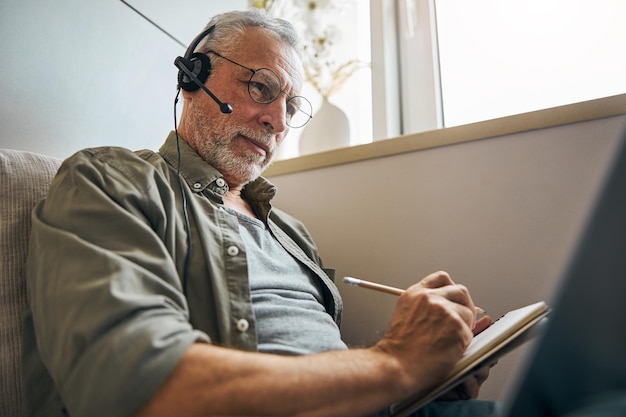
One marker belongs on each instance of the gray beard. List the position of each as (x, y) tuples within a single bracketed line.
[(241, 169), (217, 151)]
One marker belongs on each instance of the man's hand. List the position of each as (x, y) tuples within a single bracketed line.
[(430, 329), (470, 387)]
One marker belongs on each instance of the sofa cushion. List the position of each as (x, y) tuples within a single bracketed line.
[(24, 181)]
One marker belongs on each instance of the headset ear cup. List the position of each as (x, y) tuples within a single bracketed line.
[(204, 69), (199, 65)]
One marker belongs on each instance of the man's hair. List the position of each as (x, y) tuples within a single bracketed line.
[(231, 25)]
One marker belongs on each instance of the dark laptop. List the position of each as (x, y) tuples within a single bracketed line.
[(578, 366)]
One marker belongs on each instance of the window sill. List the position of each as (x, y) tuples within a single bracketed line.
[(540, 119)]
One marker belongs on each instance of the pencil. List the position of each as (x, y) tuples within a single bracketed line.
[(384, 288)]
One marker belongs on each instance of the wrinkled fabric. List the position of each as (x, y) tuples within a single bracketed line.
[(108, 266)]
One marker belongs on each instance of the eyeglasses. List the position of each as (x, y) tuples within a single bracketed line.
[(264, 87)]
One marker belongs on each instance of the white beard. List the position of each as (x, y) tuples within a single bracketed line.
[(215, 144)]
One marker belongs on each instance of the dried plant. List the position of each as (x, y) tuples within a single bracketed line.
[(319, 37)]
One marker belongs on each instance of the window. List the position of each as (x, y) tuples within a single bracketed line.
[(494, 58), (442, 63)]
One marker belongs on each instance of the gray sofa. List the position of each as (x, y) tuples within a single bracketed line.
[(24, 181)]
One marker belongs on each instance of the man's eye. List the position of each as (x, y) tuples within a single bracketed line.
[(258, 87), (293, 105), (261, 92), (291, 110)]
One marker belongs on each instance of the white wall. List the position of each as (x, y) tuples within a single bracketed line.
[(501, 215), (80, 73)]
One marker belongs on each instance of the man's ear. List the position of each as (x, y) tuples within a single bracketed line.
[(188, 95)]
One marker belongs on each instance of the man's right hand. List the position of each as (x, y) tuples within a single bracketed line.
[(430, 329)]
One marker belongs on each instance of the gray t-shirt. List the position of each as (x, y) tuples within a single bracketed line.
[(287, 300)]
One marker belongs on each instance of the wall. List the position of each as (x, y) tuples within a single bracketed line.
[(76, 73), (501, 215)]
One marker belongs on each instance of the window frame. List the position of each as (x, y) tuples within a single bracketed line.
[(413, 28)]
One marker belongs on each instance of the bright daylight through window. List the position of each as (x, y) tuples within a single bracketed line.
[(504, 57), (442, 63)]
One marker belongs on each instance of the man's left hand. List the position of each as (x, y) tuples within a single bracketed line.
[(470, 387)]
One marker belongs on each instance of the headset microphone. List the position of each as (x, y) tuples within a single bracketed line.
[(183, 65)]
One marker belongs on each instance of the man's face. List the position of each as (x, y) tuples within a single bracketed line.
[(242, 144)]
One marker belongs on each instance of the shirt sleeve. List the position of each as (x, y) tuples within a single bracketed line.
[(110, 317)]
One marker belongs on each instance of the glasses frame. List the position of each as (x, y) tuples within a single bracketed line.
[(289, 98)]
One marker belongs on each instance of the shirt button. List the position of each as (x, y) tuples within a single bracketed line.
[(232, 250), (197, 186), (242, 325), (220, 182)]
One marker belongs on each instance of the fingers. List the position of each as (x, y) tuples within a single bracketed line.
[(470, 387), (482, 374), (481, 324), (455, 292), (439, 283), (436, 280)]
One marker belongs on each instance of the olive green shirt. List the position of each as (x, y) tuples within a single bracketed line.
[(107, 256)]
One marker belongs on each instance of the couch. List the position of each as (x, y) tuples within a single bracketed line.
[(24, 181)]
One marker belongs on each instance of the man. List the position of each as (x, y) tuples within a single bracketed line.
[(165, 284)]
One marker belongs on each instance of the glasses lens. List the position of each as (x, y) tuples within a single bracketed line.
[(299, 111), (264, 86)]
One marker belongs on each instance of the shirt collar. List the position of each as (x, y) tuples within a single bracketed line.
[(199, 175)]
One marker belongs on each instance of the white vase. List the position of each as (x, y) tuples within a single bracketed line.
[(329, 129)]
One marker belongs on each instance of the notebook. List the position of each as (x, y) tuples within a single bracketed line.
[(504, 334)]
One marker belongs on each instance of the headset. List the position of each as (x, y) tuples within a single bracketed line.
[(194, 69)]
